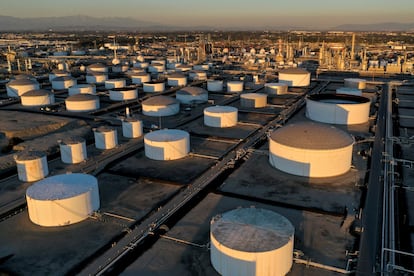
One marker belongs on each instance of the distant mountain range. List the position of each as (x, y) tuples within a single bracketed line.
[(88, 23)]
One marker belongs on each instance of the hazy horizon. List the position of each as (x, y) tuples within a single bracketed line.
[(231, 13)]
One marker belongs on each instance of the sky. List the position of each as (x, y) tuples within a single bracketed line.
[(308, 13)]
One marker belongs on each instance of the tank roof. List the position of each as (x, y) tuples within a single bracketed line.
[(62, 186), (221, 109), (294, 71), (22, 81), (72, 140), (160, 100), (28, 155), (340, 97), (166, 135), (191, 90), (310, 135), (63, 78), (37, 92), (81, 97), (252, 230)]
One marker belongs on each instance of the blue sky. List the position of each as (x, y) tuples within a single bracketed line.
[(317, 13)]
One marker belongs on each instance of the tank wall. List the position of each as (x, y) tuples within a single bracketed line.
[(73, 153), (106, 140), (227, 119), (132, 129), (32, 170), (167, 150)]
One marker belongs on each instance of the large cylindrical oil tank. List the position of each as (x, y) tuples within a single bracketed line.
[(167, 144), (311, 149), (338, 109), (160, 106), (31, 165), (234, 86), (39, 97), (153, 86), (253, 100), (132, 128), (62, 199), (72, 150), (177, 79), (82, 103), (215, 85), (355, 83), (115, 83), (105, 137), (82, 89), (276, 88), (295, 77), (251, 241), (60, 83), (123, 94), (97, 68), (16, 88), (96, 78), (220, 116), (192, 94), (140, 78)]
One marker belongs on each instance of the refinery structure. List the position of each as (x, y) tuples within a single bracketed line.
[(284, 153)]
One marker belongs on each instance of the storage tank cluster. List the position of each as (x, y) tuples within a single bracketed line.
[(311, 149), (251, 241), (295, 77), (167, 144), (62, 200), (192, 94), (38, 97), (220, 116), (338, 109), (160, 106)]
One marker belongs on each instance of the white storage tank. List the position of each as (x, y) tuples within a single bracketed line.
[(338, 109), (60, 83), (253, 100), (355, 83), (311, 149), (215, 85), (82, 103), (96, 78), (349, 91), (160, 106), (220, 116), (58, 73), (132, 128), (140, 78), (123, 94), (97, 68), (154, 86), (234, 86), (105, 137), (197, 75), (251, 241), (156, 68), (39, 97), (82, 89), (16, 88), (115, 83), (276, 88), (192, 94), (120, 68), (31, 165), (72, 150), (142, 65), (167, 144), (183, 68), (295, 77), (201, 67), (177, 79), (62, 199)]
